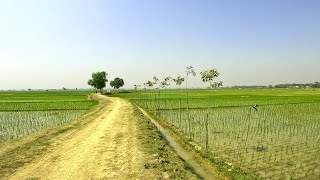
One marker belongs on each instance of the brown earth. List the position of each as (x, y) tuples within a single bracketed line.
[(107, 148)]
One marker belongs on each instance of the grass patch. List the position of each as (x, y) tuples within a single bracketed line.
[(161, 157)]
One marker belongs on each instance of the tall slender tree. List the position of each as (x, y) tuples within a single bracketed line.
[(136, 88), (156, 81), (179, 80), (149, 84), (189, 71), (164, 84)]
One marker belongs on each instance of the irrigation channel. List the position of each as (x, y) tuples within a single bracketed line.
[(199, 168)]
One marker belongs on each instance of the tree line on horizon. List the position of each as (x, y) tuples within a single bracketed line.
[(286, 85)]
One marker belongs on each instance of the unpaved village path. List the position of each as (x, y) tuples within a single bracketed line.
[(105, 149)]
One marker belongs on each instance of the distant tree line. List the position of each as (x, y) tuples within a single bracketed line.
[(287, 85), (250, 86), (299, 85)]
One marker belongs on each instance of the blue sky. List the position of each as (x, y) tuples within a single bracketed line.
[(58, 43)]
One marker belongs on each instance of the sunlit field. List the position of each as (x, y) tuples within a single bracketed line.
[(269, 133)]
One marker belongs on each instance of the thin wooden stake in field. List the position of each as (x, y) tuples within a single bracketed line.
[(180, 112), (207, 132)]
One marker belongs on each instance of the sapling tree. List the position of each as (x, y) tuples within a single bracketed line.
[(209, 76), (179, 80), (157, 81), (168, 80), (189, 71), (136, 86), (148, 84), (216, 84), (164, 84)]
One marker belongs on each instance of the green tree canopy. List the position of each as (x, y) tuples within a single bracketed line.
[(179, 80), (98, 80), (149, 84), (209, 76), (117, 83)]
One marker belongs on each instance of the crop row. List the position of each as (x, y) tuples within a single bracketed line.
[(43, 96), (43, 106), (17, 124), (23, 113), (280, 139), (285, 137), (175, 99)]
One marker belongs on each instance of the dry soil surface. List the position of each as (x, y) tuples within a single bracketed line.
[(105, 149)]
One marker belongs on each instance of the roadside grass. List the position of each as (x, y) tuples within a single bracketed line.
[(162, 159)]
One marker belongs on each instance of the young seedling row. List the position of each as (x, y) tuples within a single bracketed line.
[(23, 113), (279, 139)]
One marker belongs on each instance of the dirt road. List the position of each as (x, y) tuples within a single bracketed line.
[(105, 149)]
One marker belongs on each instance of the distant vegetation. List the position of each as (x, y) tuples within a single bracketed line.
[(287, 85), (295, 85)]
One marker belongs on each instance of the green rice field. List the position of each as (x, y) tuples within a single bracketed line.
[(267, 133), (23, 113)]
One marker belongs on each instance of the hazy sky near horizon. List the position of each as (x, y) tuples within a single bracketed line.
[(59, 43)]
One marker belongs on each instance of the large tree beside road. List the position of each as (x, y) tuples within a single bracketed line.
[(98, 80)]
